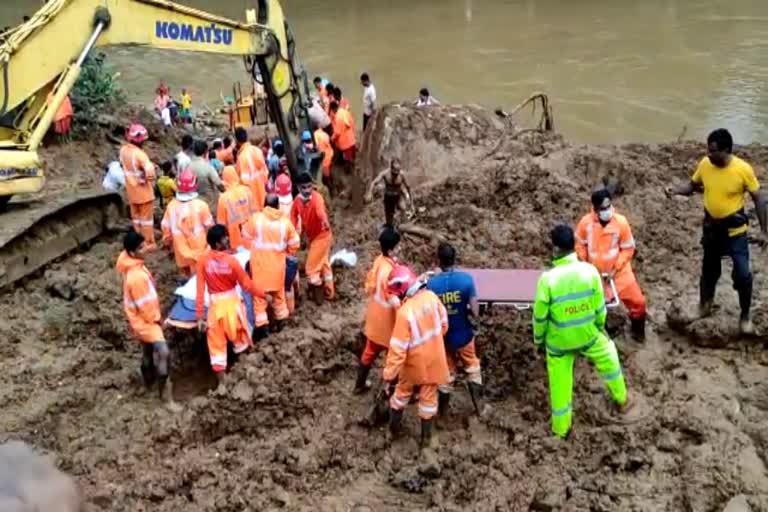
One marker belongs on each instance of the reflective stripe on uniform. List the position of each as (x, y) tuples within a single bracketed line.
[(397, 402), (573, 323), (418, 337), (260, 244), (562, 412), (428, 409), (613, 249), (560, 352), (612, 376), (137, 303), (629, 244), (573, 296), (181, 212)]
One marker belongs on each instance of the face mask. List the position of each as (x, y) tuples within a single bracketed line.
[(605, 215)]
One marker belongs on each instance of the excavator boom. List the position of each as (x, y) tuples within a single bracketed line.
[(41, 60)]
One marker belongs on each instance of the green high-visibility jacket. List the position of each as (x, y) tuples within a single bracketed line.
[(569, 309)]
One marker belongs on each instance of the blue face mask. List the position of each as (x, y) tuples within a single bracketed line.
[(605, 215)]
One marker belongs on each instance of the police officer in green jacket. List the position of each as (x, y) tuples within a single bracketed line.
[(569, 320)]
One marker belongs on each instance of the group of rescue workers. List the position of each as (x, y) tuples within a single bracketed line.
[(422, 322)]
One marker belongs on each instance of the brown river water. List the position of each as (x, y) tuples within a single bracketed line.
[(616, 70)]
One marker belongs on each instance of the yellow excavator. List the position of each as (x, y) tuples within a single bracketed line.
[(45, 54)]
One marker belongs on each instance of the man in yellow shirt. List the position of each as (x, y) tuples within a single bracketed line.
[(725, 179), (186, 106)]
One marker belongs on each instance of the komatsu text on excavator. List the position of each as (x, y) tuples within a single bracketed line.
[(44, 56)]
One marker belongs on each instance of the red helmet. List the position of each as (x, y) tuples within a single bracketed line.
[(283, 185), (187, 181), (137, 133), (400, 280)]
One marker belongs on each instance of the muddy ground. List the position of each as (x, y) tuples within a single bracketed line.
[(287, 437)]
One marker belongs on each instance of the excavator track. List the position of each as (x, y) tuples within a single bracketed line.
[(35, 233)]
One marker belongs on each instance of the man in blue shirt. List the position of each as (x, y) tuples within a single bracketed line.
[(459, 296)]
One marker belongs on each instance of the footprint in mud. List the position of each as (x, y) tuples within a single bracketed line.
[(639, 410)]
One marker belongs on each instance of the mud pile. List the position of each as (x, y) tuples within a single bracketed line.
[(287, 437)]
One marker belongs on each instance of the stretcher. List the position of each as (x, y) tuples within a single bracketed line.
[(517, 287), (182, 314)]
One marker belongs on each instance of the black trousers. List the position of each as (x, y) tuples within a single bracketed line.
[(717, 244)]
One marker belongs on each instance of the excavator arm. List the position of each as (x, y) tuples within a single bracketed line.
[(46, 54)]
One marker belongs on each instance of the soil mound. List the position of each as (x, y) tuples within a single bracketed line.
[(286, 435)]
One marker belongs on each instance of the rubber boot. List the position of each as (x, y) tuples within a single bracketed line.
[(395, 422), (638, 328), (318, 294), (443, 402), (475, 393), (259, 333), (148, 374), (361, 385), (426, 434)]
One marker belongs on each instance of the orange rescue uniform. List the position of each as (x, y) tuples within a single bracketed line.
[(610, 248), (380, 316), (273, 238), (235, 206), (226, 320), (286, 203), (140, 301), (323, 142), (344, 133), (185, 225), (140, 189), (253, 172), (314, 222), (416, 355)]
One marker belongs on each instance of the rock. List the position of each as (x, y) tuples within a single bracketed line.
[(547, 500), (409, 480), (60, 284), (282, 497), (430, 466), (243, 391), (738, 504)]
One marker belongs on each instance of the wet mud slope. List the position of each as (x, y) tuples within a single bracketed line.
[(286, 435)]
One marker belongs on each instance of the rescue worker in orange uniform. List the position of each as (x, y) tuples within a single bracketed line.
[(273, 238), (380, 315), (220, 272), (604, 238), (225, 151), (309, 208), (139, 183), (252, 168), (416, 355), (323, 141), (284, 189), (142, 307), (184, 224), (235, 206), (343, 136)]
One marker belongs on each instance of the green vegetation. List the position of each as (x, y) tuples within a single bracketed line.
[(96, 91)]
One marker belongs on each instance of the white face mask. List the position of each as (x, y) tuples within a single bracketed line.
[(605, 215)]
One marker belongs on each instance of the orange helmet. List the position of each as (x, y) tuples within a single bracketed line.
[(283, 185), (187, 182), (400, 280), (137, 133)]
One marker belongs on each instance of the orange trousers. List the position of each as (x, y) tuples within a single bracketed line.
[(630, 295), (279, 307), (318, 266), (227, 321), (427, 398), (469, 361), (142, 215), (371, 351)]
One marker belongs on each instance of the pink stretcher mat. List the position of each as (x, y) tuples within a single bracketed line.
[(516, 286)]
